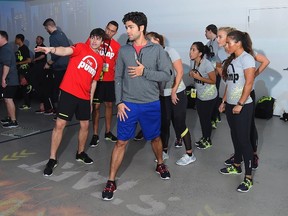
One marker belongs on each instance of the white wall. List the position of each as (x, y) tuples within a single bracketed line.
[(182, 22)]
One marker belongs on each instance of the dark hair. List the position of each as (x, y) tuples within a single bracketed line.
[(40, 38), (21, 37), (204, 49), (49, 22), (113, 23), (212, 28), (246, 42), (4, 34), (99, 32), (138, 18), (157, 36)]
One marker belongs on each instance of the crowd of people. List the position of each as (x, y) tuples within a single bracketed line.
[(144, 79)]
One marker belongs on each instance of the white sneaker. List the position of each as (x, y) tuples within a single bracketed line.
[(165, 156), (186, 159)]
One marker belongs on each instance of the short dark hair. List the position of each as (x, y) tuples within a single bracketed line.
[(40, 38), (99, 32), (4, 34), (50, 22), (21, 37), (212, 28), (138, 18), (113, 22)]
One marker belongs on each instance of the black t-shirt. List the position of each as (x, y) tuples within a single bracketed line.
[(38, 54), (22, 54)]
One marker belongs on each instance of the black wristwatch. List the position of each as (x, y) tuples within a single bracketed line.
[(240, 104)]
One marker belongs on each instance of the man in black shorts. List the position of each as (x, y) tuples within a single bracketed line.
[(9, 80)]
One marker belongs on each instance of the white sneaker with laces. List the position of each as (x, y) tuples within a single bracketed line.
[(186, 159)]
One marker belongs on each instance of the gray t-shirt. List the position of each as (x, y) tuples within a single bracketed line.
[(166, 88), (7, 57), (213, 46), (236, 79), (205, 91)]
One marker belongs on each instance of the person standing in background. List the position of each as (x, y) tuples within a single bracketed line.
[(58, 64), (105, 91), (9, 80)]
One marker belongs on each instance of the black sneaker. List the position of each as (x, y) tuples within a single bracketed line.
[(162, 170), (178, 143), (83, 157), (95, 141), (200, 141), (39, 111), (255, 162), (6, 120), (49, 112), (111, 137), (24, 107), (205, 144), (230, 161), (231, 170), (48, 171), (11, 124), (246, 185), (139, 136), (108, 192)]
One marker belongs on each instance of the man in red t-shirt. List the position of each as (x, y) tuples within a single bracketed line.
[(105, 91), (77, 90)]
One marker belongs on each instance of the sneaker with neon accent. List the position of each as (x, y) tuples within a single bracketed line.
[(230, 161), (108, 192), (205, 144), (162, 170), (24, 107), (186, 159), (246, 185), (200, 141), (231, 170), (214, 124)]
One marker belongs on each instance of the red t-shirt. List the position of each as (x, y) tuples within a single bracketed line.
[(109, 53), (84, 66)]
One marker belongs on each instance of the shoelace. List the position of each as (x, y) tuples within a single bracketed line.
[(109, 187)]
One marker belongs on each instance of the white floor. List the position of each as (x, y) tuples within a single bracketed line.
[(197, 189)]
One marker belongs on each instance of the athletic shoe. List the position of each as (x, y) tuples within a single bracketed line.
[(186, 159), (6, 120), (108, 192), (200, 141), (255, 162), (205, 144), (165, 156), (11, 124), (94, 141), (178, 143), (230, 161), (39, 111), (246, 185), (28, 89), (83, 157), (218, 119), (214, 124), (24, 107), (231, 170), (48, 171), (49, 112), (139, 136), (162, 170), (111, 137)]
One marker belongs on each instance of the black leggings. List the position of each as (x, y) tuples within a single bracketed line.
[(253, 132), (205, 110), (240, 125), (176, 114)]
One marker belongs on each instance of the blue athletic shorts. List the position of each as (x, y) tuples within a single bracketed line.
[(149, 117)]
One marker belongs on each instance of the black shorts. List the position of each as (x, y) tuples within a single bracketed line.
[(105, 92), (8, 91), (69, 104)]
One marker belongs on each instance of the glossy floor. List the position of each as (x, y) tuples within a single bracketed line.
[(197, 189)]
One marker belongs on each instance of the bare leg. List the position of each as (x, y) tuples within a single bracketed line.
[(96, 117), (108, 115), (10, 106), (82, 136), (117, 158), (157, 149), (57, 137)]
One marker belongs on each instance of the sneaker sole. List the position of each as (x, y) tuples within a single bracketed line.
[(107, 199), (230, 173), (93, 146), (79, 160), (178, 146), (110, 140), (243, 191), (179, 164), (10, 127), (198, 147), (167, 178)]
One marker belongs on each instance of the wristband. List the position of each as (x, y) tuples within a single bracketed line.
[(240, 104)]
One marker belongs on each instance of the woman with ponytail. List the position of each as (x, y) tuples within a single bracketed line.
[(239, 72)]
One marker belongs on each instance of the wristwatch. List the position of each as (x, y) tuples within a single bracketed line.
[(240, 104)]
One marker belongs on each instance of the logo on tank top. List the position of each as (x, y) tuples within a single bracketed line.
[(87, 64), (107, 51)]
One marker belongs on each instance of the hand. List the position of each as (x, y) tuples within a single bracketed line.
[(174, 98), (136, 71), (222, 107), (46, 66), (46, 50), (3, 84), (121, 114), (237, 109)]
